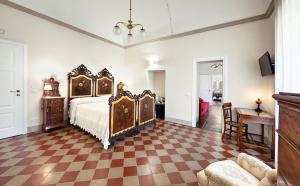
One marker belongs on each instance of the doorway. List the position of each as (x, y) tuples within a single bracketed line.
[(209, 84), (210, 95), (13, 91), (156, 84)]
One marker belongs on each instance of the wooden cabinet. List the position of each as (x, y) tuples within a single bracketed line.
[(53, 112), (289, 139), (160, 110)]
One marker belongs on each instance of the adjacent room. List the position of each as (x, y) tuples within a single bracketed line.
[(145, 93), (210, 93)]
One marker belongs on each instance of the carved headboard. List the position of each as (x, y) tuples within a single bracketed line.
[(104, 83), (80, 83)]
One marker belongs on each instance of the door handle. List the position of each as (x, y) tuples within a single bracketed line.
[(17, 91)]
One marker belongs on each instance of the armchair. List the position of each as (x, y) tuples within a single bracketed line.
[(247, 171)]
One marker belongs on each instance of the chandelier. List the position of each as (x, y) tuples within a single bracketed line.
[(129, 25), (215, 66)]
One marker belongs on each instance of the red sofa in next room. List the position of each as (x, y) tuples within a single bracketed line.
[(203, 110)]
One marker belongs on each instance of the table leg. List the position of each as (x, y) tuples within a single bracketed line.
[(262, 140), (273, 143), (240, 137)]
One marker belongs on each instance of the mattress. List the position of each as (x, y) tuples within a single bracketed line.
[(92, 115)]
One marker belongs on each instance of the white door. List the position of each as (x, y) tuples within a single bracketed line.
[(12, 91), (205, 87)]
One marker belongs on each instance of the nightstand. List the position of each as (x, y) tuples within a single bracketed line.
[(160, 110), (53, 112)]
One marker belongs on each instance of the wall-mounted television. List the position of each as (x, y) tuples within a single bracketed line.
[(267, 67)]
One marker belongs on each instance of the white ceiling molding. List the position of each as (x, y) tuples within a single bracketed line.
[(162, 19), (206, 29), (170, 17)]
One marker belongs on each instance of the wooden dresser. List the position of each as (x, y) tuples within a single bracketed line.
[(289, 139), (53, 105), (53, 112)]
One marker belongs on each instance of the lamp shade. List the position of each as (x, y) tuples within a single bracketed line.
[(143, 32), (117, 30), (47, 87)]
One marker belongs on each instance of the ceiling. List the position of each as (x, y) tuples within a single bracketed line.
[(161, 18)]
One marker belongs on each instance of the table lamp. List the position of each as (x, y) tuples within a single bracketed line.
[(258, 102), (47, 89)]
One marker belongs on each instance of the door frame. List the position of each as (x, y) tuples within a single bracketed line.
[(25, 81), (196, 61)]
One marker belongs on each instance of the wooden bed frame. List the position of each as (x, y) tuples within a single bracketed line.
[(146, 108), (80, 83), (104, 83), (122, 115), (123, 107)]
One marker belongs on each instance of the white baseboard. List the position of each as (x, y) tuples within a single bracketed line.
[(179, 121), (36, 128)]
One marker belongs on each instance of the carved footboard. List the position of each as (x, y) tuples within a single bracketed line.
[(122, 115), (146, 108)]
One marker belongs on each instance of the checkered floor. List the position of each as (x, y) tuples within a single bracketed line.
[(168, 154)]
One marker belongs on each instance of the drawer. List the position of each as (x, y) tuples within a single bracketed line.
[(55, 110), (56, 118), (290, 123), (56, 102)]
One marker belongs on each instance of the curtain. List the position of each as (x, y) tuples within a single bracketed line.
[(287, 49), (287, 52)]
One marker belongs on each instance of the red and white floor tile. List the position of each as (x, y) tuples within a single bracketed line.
[(168, 154)]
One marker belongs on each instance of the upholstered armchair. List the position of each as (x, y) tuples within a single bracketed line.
[(247, 171)]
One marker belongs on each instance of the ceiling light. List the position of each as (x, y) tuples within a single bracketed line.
[(117, 30), (215, 66)]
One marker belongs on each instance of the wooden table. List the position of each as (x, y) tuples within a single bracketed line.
[(250, 116)]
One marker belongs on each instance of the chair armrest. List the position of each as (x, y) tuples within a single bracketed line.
[(253, 165), (270, 179)]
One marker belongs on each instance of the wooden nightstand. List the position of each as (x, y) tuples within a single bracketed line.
[(53, 112)]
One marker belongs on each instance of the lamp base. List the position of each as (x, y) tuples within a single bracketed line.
[(258, 108)]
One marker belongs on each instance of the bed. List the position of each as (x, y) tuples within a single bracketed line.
[(94, 108)]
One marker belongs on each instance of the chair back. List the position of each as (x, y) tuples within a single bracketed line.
[(227, 112)]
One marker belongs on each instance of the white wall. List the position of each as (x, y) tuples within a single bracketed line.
[(241, 44), (55, 50)]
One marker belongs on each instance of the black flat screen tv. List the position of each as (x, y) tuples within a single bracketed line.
[(266, 65)]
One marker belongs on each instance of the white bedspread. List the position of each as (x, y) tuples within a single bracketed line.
[(92, 115)]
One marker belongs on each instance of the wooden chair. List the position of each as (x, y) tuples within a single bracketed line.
[(228, 122)]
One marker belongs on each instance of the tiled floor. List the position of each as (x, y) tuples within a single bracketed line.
[(168, 154), (214, 118)]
